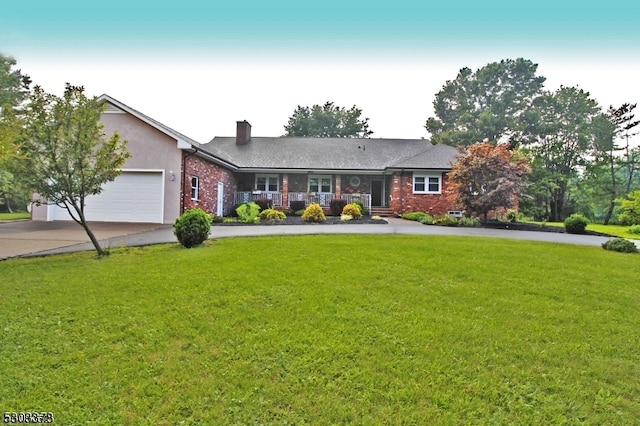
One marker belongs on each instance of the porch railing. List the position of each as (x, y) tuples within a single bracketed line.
[(365, 199), (247, 196), (324, 199)]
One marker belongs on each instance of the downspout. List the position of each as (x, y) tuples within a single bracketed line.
[(401, 192)]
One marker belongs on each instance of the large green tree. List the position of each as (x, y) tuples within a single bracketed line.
[(67, 154), (328, 121), (14, 88), (604, 176), (561, 133), (487, 104), (625, 124), (14, 85)]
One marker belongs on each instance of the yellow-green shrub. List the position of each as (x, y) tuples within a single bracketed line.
[(352, 210), (273, 215), (313, 213)]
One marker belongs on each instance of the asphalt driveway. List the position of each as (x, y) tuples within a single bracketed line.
[(27, 238)]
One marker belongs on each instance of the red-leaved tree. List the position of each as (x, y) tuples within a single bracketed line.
[(486, 177)]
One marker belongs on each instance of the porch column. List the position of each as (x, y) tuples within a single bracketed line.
[(285, 190), (395, 200), (338, 190)]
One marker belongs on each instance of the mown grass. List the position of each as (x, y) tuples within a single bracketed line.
[(15, 216), (325, 330), (613, 230)]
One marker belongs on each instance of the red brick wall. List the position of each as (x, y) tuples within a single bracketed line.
[(209, 175), (403, 200)]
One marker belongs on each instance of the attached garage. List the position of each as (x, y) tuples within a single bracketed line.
[(134, 196)]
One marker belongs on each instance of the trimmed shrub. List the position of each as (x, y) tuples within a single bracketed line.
[(192, 228), (352, 210), (272, 215), (313, 213), (511, 216), (417, 216), (630, 209), (427, 219), (445, 220), (336, 205), (635, 229), (296, 206), (248, 212), (469, 222), (575, 224), (215, 219), (621, 245), (360, 206)]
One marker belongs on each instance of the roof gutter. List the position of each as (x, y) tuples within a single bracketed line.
[(186, 146)]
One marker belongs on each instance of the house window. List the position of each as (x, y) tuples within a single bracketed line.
[(427, 184), (194, 187), (267, 183), (320, 184)]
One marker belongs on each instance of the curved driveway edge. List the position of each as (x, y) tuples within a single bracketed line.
[(43, 238)]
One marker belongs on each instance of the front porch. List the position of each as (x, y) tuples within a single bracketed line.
[(276, 198)]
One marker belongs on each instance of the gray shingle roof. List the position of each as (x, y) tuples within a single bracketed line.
[(290, 153)]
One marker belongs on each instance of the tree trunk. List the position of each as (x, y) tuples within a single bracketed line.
[(607, 217), (6, 200), (82, 221), (93, 238)]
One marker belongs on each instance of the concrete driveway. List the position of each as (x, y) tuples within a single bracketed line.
[(24, 237)]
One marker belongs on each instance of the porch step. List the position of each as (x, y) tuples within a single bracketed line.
[(381, 211)]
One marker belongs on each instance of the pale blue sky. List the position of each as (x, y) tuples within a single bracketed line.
[(199, 66)]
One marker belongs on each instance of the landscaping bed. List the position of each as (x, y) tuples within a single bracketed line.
[(297, 220), (519, 226)]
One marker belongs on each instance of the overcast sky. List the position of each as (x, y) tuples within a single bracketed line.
[(199, 66)]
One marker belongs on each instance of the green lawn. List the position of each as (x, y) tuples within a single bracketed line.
[(15, 216), (331, 329), (614, 230)]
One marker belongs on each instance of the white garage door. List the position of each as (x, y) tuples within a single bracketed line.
[(131, 197)]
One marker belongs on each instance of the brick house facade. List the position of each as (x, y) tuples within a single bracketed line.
[(169, 173), (403, 199), (208, 176), (389, 176)]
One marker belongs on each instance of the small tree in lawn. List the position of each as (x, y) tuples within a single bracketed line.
[(486, 177), (67, 156)]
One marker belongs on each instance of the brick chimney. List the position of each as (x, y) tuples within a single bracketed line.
[(243, 133)]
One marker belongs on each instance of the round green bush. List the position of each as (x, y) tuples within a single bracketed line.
[(635, 229), (273, 215), (314, 213), (352, 210), (445, 220), (575, 224), (358, 203), (416, 216), (192, 228), (621, 245)]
